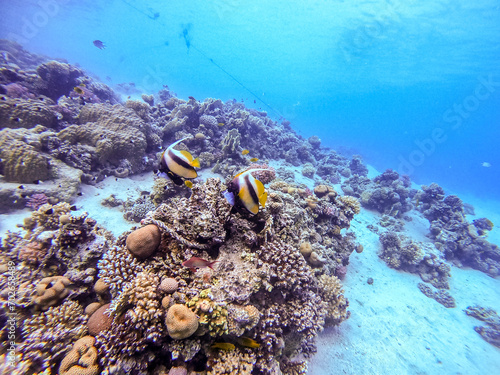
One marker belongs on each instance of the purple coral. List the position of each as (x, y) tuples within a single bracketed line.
[(15, 90), (36, 201)]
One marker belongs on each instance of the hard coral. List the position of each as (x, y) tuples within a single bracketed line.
[(81, 359), (100, 320), (181, 322), (50, 334), (51, 290), (143, 242)]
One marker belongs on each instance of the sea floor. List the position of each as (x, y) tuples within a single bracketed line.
[(393, 327)]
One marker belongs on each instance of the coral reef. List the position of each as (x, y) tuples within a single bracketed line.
[(401, 252), (490, 332), (390, 195), (265, 297), (453, 235)]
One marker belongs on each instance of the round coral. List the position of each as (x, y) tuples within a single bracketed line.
[(181, 322), (99, 321), (82, 359), (169, 285), (143, 242)]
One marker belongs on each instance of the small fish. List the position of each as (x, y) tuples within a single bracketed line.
[(79, 194), (73, 208), (189, 184), (221, 124), (178, 164), (223, 345), (194, 262), (254, 159), (36, 182), (248, 191), (82, 85), (20, 187), (99, 44), (248, 342), (244, 152), (485, 164), (79, 90)]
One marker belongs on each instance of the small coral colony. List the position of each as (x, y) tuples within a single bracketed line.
[(230, 275)]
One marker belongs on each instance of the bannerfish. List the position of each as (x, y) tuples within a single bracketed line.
[(178, 164), (248, 342), (247, 191), (194, 262), (223, 345), (99, 44)]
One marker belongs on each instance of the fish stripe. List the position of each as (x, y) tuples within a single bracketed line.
[(247, 193), (178, 165)]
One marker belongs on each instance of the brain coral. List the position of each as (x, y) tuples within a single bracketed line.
[(181, 322), (81, 359)]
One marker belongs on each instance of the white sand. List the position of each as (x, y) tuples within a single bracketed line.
[(395, 329)]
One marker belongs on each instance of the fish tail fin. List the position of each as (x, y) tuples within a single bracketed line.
[(196, 163), (211, 264)]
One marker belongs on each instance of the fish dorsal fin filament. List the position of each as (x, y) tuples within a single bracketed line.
[(177, 142)]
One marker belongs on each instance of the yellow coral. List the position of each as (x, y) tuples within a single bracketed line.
[(181, 322), (210, 312)]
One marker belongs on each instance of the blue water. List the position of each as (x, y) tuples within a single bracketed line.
[(410, 85)]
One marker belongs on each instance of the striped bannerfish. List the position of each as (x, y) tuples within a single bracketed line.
[(248, 191), (178, 164)]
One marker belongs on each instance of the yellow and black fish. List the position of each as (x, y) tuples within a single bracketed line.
[(178, 165), (246, 191)]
